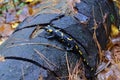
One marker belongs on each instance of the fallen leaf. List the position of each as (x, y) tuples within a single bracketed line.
[(114, 30), (14, 25), (1, 1), (112, 73), (30, 10), (40, 77), (117, 3), (2, 28), (116, 53), (33, 1), (2, 58), (29, 0), (6, 30)]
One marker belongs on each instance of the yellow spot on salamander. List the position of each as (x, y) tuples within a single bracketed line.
[(80, 52), (62, 40), (49, 30), (84, 60), (70, 39), (87, 63), (76, 46), (91, 69), (68, 44)]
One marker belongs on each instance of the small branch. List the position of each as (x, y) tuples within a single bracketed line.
[(101, 10), (104, 23), (70, 76), (45, 44), (22, 70), (95, 37), (44, 58), (14, 5), (97, 72)]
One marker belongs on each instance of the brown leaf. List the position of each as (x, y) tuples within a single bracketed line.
[(6, 30), (40, 77), (116, 53), (30, 10), (113, 73), (14, 25), (2, 58), (2, 28)]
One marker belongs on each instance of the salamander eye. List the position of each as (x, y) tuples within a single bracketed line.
[(70, 39), (80, 52)]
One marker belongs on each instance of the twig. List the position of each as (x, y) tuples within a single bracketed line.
[(44, 58), (17, 40), (14, 5), (45, 44), (104, 23), (78, 72), (22, 73), (35, 32), (101, 9), (104, 18), (95, 37), (97, 72), (68, 67)]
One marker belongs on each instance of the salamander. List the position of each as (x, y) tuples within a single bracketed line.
[(70, 43)]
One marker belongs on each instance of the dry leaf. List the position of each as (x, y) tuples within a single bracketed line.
[(116, 40), (29, 0), (113, 73), (33, 2), (14, 25), (114, 30), (1, 1), (2, 58), (2, 28), (116, 53), (117, 2), (30, 10), (40, 77)]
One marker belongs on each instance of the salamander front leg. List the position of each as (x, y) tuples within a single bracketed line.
[(50, 36), (69, 49)]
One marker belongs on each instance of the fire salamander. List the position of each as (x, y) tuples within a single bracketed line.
[(68, 41)]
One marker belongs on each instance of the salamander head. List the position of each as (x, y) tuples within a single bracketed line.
[(48, 29)]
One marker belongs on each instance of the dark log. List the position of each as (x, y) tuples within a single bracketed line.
[(80, 26)]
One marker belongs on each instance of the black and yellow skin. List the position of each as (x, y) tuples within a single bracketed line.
[(66, 39), (69, 42)]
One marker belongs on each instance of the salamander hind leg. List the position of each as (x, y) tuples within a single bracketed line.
[(69, 48)]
